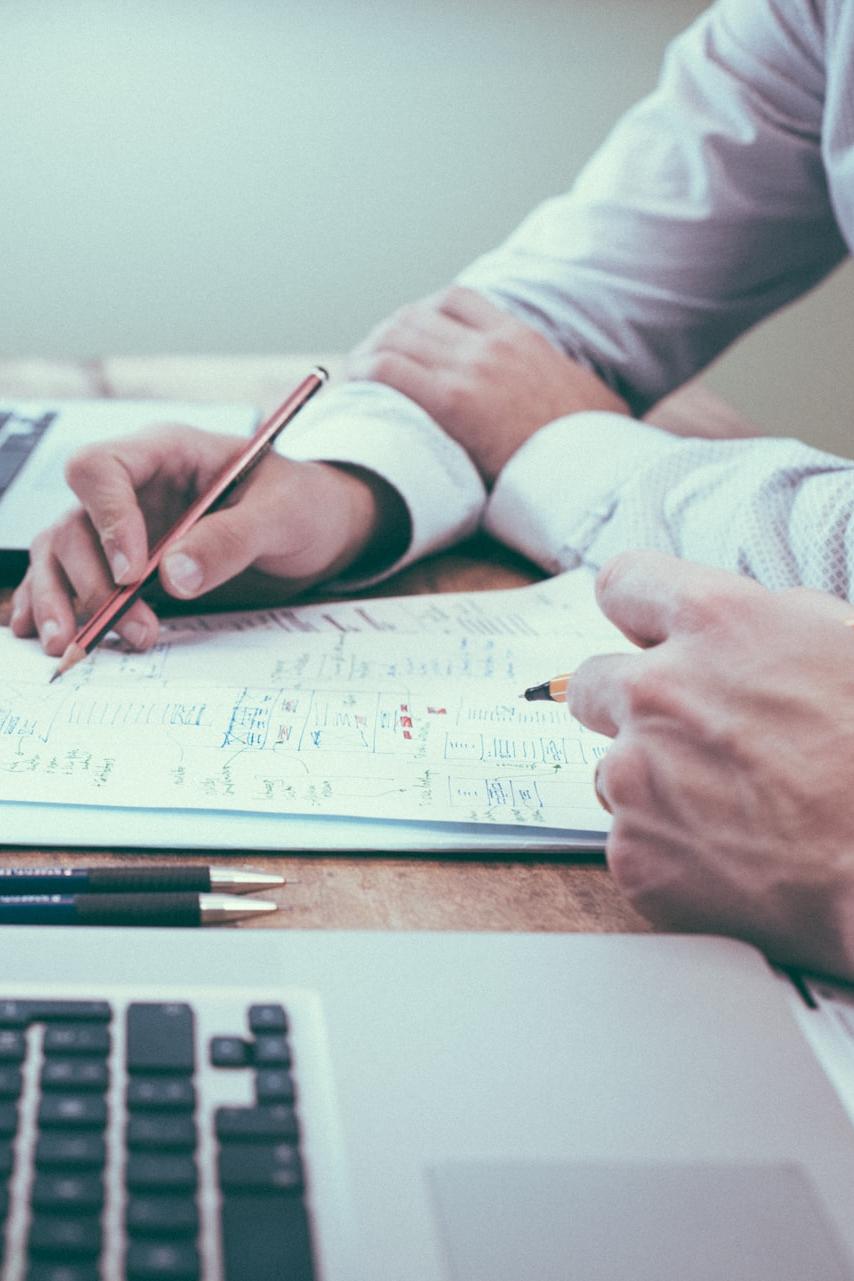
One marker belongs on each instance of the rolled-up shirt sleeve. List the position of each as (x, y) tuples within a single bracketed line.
[(374, 427), (706, 209), (775, 510)]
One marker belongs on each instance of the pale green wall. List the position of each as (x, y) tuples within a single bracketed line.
[(257, 176)]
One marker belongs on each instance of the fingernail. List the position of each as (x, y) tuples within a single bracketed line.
[(183, 573), (120, 565), (135, 634), (49, 629)]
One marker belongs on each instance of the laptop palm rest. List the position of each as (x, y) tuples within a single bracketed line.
[(502, 1221)]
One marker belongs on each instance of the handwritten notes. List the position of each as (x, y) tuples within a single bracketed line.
[(404, 708)]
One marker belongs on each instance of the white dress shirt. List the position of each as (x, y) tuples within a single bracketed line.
[(726, 193)]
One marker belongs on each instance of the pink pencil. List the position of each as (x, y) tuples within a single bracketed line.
[(232, 474)]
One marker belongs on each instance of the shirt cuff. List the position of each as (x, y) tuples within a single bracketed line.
[(368, 425), (563, 484)]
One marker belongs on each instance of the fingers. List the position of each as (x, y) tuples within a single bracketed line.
[(109, 480), (220, 546), (106, 481), (470, 308), (263, 517), (67, 567), (403, 372), (650, 595), (599, 691), (410, 350)]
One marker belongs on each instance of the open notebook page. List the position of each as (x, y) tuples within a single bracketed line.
[(403, 709)]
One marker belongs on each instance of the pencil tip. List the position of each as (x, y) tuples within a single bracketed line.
[(73, 654)]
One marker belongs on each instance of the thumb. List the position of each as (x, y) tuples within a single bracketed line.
[(218, 548)]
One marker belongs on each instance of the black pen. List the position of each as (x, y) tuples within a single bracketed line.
[(129, 909), (135, 879)]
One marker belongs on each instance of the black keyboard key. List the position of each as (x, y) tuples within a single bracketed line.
[(161, 1094), (68, 1011), (14, 1013), (8, 1119), (271, 1051), (264, 1124), (230, 1052), (7, 1159), (58, 1237), (160, 1038), (44, 1270), (150, 1172), (75, 1075), (68, 1193), (91, 1039), (266, 1239), (70, 1152), (274, 1085), (10, 1082), (260, 1167), (162, 1261), (267, 1018), (161, 1216), (13, 1046), (161, 1133), (72, 1112)]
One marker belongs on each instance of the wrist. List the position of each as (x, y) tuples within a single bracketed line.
[(375, 525)]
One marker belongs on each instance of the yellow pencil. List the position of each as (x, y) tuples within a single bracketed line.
[(555, 690)]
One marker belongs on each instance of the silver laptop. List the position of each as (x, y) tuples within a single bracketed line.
[(261, 1105), (38, 437)]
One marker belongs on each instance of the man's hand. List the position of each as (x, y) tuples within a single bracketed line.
[(731, 775), (295, 523), (487, 379)]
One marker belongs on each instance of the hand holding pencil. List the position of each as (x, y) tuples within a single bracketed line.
[(288, 525)]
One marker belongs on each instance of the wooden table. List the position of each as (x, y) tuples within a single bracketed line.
[(370, 892)]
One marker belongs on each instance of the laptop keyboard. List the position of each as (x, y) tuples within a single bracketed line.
[(147, 1139), (18, 438)]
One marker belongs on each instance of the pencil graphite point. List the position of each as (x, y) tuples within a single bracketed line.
[(73, 655)]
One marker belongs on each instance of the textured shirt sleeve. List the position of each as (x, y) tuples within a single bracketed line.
[(705, 210), (775, 510)]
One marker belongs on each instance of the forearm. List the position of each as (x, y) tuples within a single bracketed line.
[(595, 485), (705, 210)]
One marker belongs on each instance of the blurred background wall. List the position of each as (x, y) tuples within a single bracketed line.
[(258, 176)]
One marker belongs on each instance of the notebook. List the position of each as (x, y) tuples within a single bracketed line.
[(393, 723), (330, 1106)]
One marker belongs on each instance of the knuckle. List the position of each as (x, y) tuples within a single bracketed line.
[(499, 346), (229, 545), (382, 367), (452, 297), (613, 571), (47, 541), (647, 689), (89, 598), (625, 774), (85, 468), (628, 863), (453, 396), (699, 612)]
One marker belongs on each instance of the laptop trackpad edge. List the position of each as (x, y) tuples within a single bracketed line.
[(507, 1220)]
